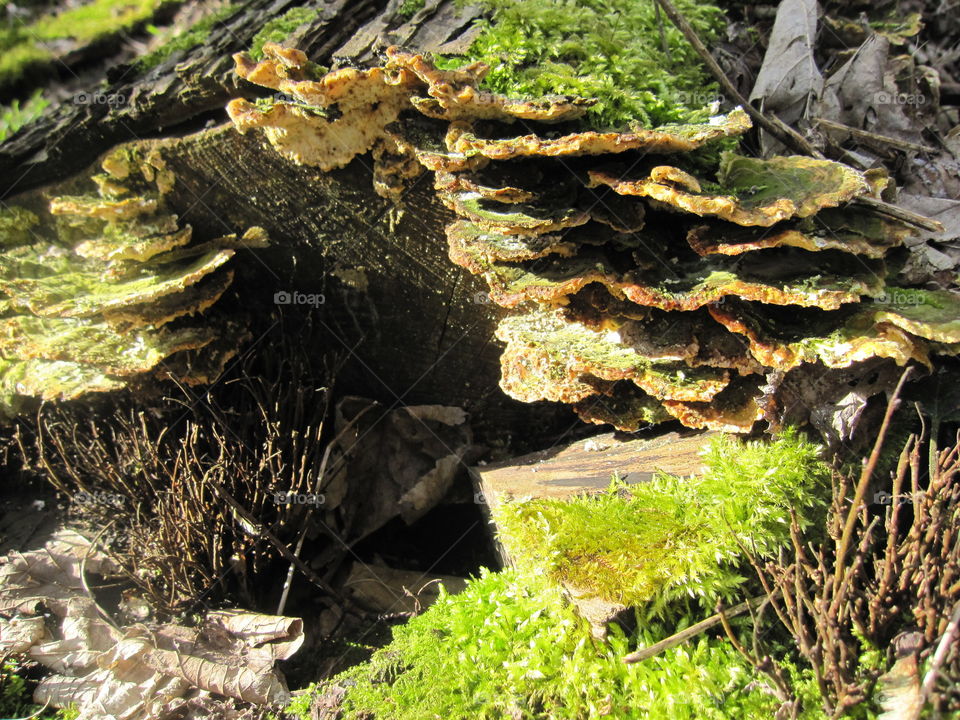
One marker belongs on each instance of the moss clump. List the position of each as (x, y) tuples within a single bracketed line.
[(23, 45), (95, 19), (15, 115), (186, 40), (411, 8), (605, 49), (279, 28), (509, 647), (672, 537)]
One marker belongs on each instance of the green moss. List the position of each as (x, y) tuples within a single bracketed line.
[(672, 537), (16, 696), (16, 59), (15, 115), (279, 28), (605, 49), (94, 20), (508, 646), (411, 8), (185, 40), (22, 46)]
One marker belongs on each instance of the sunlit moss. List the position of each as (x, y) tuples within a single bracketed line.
[(279, 28), (186, 40), (612, 50), (94, 19), (409, 8), (508, 646), (672, 537), (24, 45), (17, 114)]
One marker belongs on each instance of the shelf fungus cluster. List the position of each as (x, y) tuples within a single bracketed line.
[(97, 289), (640, 292)]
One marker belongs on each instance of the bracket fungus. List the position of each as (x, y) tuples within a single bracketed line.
[(642, 288), (95, 288)]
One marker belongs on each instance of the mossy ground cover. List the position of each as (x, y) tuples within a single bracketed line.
[(652, 543), (633, 61), (510, 645), (16, 696)]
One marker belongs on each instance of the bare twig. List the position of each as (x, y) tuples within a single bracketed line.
[(693, 630), (864, 481), (305, 526), (875, 137), (245, 517)]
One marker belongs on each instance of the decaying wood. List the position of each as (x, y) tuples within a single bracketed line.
[(587, 466)]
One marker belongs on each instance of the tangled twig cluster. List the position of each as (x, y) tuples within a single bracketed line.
[(887, 581)]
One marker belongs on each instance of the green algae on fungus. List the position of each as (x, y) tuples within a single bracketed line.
[(547, 358), (521, 219), (684, 286), (532, 224), (94, 297), (95, 343), (648, 544), (370, 103), (510, 646), (931, 314), (832, 229), (792, 339), (755, 191), (465, 139), (608, 50)]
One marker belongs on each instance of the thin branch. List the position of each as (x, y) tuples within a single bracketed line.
[(773, 125), (875, 137), (693, 630), (242, 516), (864, 481)]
